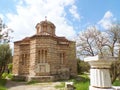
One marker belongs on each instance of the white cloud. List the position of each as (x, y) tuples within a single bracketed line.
[(108, 15), (73, 11), (28, 15), (107, 20), (1, 16)]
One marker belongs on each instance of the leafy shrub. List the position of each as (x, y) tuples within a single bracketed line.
[(10, 76), (116, 83), (80, 83), (4, 75)]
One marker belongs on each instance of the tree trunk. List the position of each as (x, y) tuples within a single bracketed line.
[(2, 69)]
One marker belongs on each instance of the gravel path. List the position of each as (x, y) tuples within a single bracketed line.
[(12, 85)]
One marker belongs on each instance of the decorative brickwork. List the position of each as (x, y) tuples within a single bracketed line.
[(44, 54)]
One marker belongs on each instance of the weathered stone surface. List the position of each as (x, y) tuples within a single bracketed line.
[(99, 72), (45, 54), (69, 86)]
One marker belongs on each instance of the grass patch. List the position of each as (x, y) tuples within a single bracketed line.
[(81, 83), (2, 84), (62, 85), (32, 82), (116, 83)]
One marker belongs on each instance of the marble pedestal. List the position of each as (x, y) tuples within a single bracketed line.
[(99, 72)]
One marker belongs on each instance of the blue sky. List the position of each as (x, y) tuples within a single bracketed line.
[(69, 16)]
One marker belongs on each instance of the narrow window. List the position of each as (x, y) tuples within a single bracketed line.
[(22, 62), (39, 56), (24, 58), (62, 58), (42, 56), (45, 56)]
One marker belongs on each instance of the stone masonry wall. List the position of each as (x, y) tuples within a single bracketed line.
[(32, 57), (15, 69), (72, 58), (24, 59)]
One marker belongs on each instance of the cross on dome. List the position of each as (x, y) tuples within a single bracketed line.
[(45, 18)]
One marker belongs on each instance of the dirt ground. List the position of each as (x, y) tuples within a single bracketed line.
[(13, 85)]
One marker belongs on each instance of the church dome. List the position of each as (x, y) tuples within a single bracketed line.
[(45, 28)]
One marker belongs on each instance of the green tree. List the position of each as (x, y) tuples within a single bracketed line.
[(5, 57), (5, 51), (82, 66)]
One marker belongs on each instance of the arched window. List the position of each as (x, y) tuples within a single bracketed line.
[(45, 56), (62, 57), (24, 58), (42, 56), (39, 56)]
